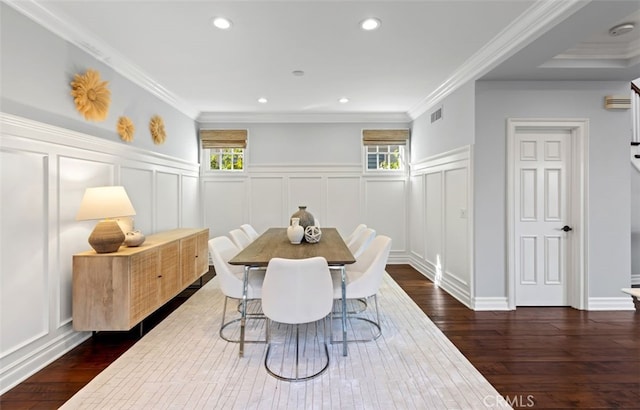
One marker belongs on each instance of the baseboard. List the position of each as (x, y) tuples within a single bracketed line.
[(20, 369), (444, 285), (617, 303), (635, 279), (490, 303)]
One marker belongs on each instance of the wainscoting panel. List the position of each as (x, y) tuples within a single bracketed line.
[(225, 205), (24, 270), (306, 191), (416, 216), (342, 204), (190, 202), (266, 206), (138, 183), (45, 171), (447, 222), (167, 201), (385, 202)]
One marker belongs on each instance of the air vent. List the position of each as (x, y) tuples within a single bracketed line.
[(617, 102), (436, 115)]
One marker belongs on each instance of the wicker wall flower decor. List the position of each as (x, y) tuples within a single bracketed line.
[(156, 126), (126, 129), (91, 95)]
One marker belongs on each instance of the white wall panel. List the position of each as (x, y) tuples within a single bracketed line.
[(342, 204), (167, 201), (433, 220), (457, 232), (385, 202), (190, 202), (24, 269), (305, 191), (266, 206), (139, 186), (224, 205), (417, 216)]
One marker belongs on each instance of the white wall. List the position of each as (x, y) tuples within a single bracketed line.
[(608, 202), (37, 68), (314, 164)]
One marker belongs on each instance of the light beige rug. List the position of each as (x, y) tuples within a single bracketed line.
[(183, 363)]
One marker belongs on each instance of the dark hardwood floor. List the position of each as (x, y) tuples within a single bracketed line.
[(541, 358)]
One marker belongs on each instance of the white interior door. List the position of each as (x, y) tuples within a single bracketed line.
[(542, 204)]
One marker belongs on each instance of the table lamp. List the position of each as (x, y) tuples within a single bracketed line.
[(104, 203)]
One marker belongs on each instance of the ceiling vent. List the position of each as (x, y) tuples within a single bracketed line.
[(617, 102)]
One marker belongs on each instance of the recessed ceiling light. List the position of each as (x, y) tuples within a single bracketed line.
[(262, 100), (343, 100), (298, 73), (371, 23), (621, 29), (221, 23)]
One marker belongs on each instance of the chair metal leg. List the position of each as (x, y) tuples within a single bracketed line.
[(224, 324), (297, 377), (376, 324)]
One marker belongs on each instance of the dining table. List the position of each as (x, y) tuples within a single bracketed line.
[(274, 243)]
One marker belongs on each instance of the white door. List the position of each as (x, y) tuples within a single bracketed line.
[(542, 204)]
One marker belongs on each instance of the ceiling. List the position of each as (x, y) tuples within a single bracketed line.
[(422, 51)]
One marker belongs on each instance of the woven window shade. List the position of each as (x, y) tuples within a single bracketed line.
[(385, 137), (223, 138)]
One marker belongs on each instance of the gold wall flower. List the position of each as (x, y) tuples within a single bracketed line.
[(156, 126), (126, 129), (91, 95)]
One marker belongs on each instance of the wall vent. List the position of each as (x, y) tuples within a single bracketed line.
[(617, 102), (436, 115)]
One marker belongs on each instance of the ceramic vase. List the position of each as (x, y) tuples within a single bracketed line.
[(306, 219), (133, 238), (295, 232)]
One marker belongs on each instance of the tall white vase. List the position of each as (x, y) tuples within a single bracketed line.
[(295, 232)]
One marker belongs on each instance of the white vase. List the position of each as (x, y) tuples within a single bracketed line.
[(295, 232)]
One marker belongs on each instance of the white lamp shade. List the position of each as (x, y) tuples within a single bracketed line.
[(104, 202)]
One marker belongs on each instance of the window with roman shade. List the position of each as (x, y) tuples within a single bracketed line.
[(224, 149), (385, 149)]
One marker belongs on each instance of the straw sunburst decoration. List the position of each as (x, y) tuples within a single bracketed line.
[(126, 129), (91, 95), (156, 126)]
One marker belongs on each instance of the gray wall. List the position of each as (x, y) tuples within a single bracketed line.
[(36, 69), (608, 204)]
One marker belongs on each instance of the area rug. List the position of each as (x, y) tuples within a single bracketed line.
[(184, 364)]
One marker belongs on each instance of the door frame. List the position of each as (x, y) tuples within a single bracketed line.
[(577, 263)]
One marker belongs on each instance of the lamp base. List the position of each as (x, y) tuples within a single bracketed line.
[(106, 237)]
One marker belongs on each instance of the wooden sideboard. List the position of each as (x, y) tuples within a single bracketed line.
[(116, 291)]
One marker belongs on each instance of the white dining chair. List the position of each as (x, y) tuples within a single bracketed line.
[(361, 242), (364, 278), (354, 234), (239, 238), (222, 250), (296, 291), (250, 231)]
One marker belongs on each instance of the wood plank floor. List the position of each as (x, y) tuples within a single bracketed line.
[(549, 358)]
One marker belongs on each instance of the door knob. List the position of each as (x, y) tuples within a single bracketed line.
[(566, 228)]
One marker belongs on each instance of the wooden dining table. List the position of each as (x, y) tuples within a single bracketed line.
[(274, 243)]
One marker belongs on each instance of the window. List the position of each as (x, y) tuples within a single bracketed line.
[(385, 149), (226, 159), (223, 150), (385, 157)]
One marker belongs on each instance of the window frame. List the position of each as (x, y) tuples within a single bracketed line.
[(206, 162), (403, 154)]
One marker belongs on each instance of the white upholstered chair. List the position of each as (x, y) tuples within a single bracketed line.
[(361, 242), (222, 250), (296, 291), (353, 235), (250, 231), (239, 238), (364, 278)]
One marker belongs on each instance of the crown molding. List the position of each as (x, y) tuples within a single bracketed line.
[(63, 27), (233, 117), (532, 23)]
